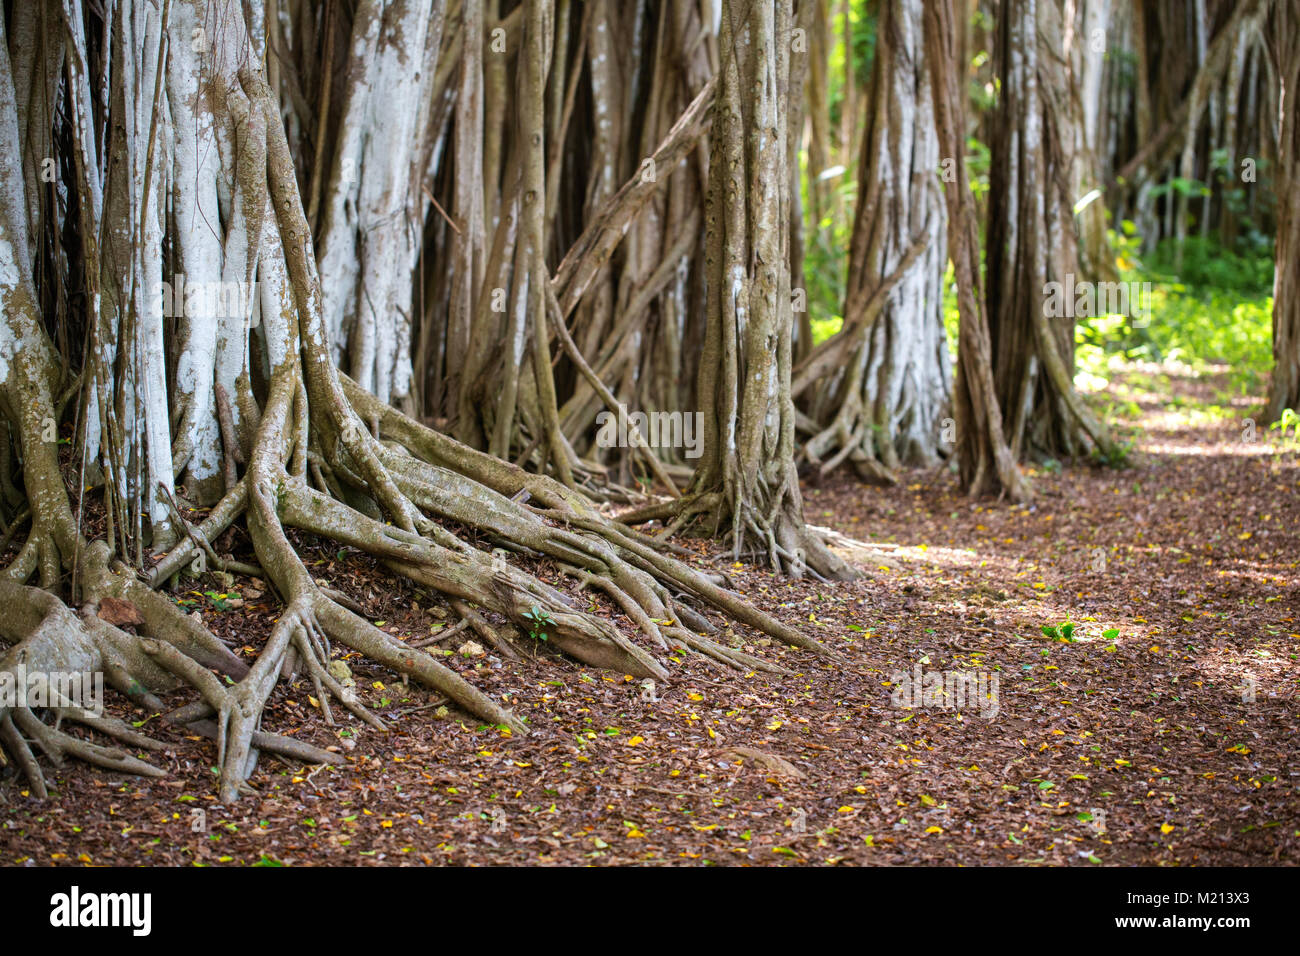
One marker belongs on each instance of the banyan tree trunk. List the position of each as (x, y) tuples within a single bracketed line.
[(1031, 249), (181, 155), (985, 463), (1284, 47), (746, 481), (879, 389)]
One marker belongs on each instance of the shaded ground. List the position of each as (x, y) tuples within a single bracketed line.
[(1172, 743)]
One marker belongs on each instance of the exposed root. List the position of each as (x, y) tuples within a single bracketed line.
[(48, 639), (14, 743), (483, 629), (272, 743), (56, 744)]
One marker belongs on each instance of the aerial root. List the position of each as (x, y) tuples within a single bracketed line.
[(238, 709), (487, 503), (57, 744), (623, 563), (438, 637), (313, 653), (362, 636)]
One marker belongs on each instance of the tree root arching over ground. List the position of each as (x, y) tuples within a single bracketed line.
[(325, 457)]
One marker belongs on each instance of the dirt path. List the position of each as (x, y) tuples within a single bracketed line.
[(1172, 743)]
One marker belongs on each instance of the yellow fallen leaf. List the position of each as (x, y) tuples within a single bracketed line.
[(1166, 828)]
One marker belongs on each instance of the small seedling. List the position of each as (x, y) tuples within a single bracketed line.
[(1060, 632), (219, 601), (538, 621), (1289, 421)]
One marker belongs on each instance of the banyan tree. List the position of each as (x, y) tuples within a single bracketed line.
[(351, 273)]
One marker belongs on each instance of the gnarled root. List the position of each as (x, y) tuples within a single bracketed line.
[(51, 652)]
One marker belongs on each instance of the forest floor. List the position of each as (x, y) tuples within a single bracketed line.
[(1161, 731)]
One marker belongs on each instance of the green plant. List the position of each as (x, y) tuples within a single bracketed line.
[(1060, 632), (1117, 457), (219, 601), (1206, 264), (1288, 421), (1187, 188), (538, 621)]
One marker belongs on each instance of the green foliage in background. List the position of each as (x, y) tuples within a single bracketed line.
[(1211, 303), (1216, 311), (1207, 266), (826, 243)]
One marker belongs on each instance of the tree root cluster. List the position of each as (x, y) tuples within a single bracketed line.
[(325, 457)]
